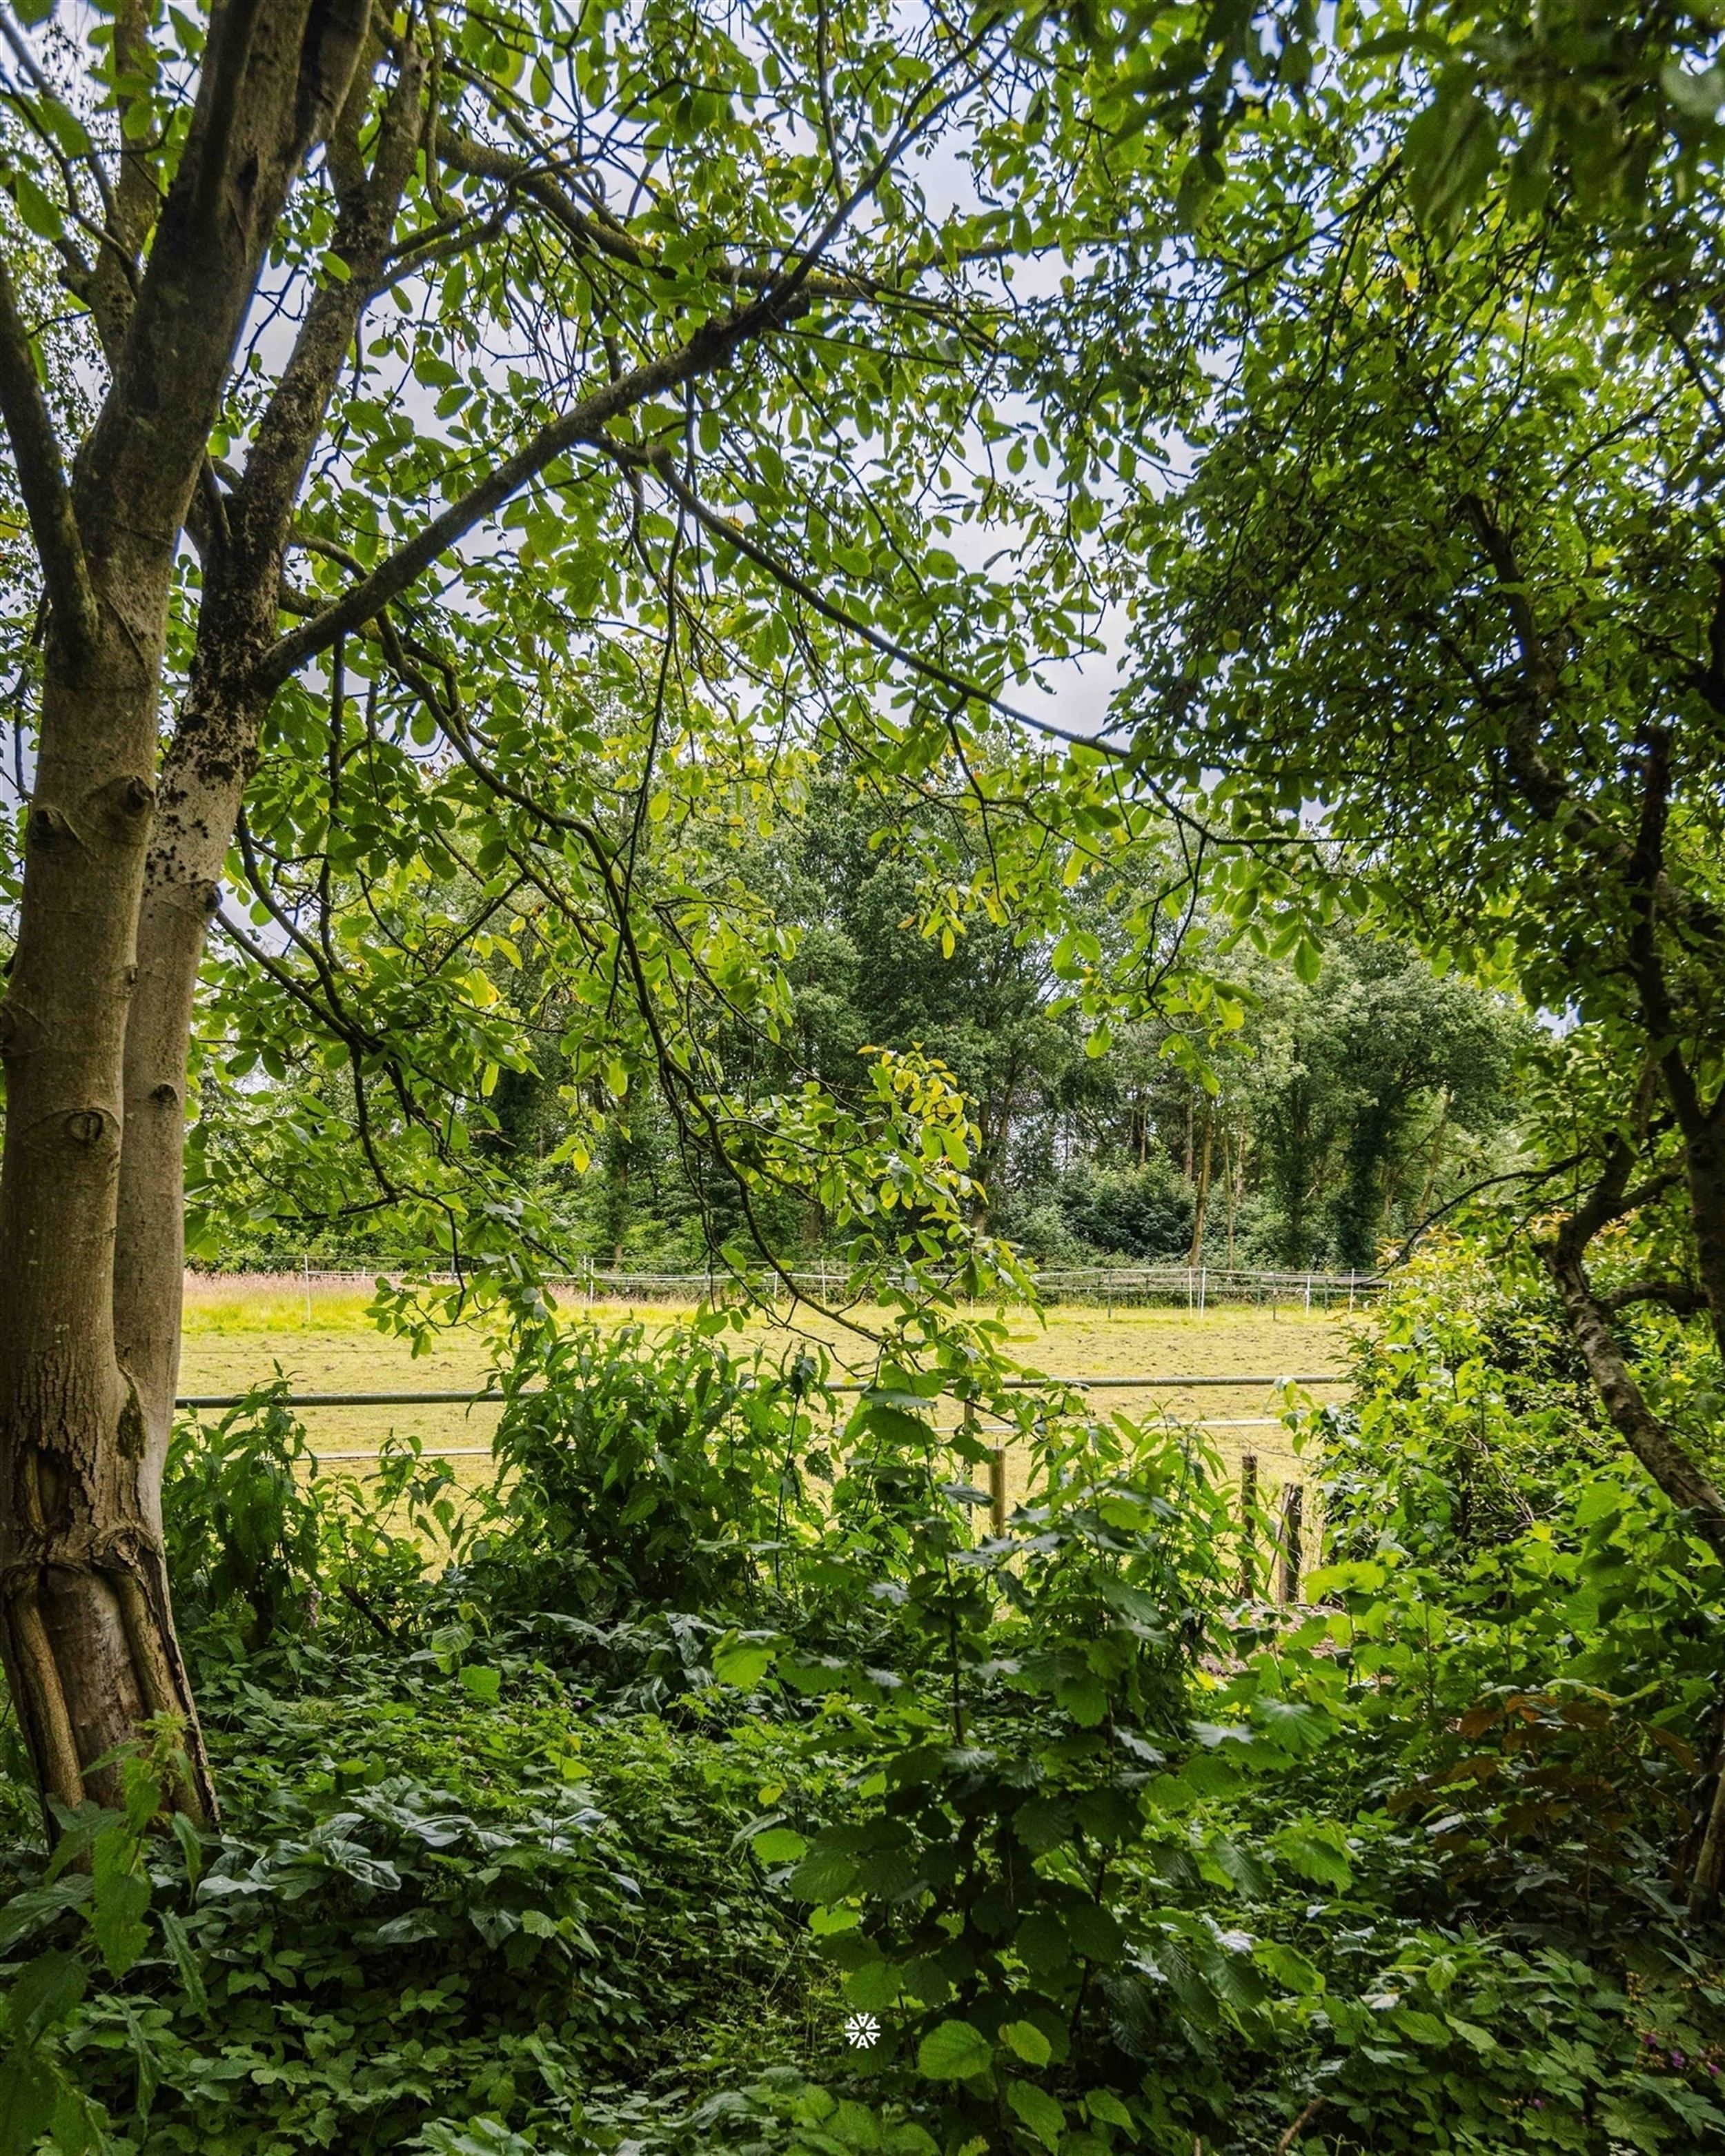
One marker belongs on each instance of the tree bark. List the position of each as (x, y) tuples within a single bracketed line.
[(213, 750), (1195, 1255), (1704, 1163), (1645, 1435), (86, 1627)]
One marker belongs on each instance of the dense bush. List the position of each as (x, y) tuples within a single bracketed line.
[(707, 1781)]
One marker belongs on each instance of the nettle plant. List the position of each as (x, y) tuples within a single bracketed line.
[(1006, 1749)]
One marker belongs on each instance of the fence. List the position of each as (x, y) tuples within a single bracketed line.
[(1195, 1288), (1290, 1527)]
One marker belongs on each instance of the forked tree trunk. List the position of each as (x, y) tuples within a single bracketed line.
[(85, 1626), (89, 1335), (96, 1018)]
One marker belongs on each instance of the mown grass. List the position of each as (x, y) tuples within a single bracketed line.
[(237, 1331)]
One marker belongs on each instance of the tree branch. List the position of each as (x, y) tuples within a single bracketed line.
[(1645, 1435), (746, 544), (712, 347), (1675, 1295), (42, 478), (1544, 788)]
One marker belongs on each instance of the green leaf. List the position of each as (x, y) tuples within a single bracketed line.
[(1027, 2041), (1318, 1851), (1422, 2028), (825, 1875), (185, 1960), (954, 2052), (1288, 1967), (25, 1914), (121, 1894), (1038, 2111), (41, 214), (479, 1683), (1450, 148), (875, 1986), (191, 1848), (1094, 1930), (66, 126), (44, 1995), (744, 1663), (30, 2091), (779, 1845)]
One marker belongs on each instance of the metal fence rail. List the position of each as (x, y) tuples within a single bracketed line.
[(1102, 1384), (1194, 1287), (1289, 1531)]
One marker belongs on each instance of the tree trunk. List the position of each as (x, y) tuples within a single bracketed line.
[(1434, 1158), (1195, 1255), (1685, 1483), (85, 1626), (88, 1351), (1705, 1163), (1236, 1183)]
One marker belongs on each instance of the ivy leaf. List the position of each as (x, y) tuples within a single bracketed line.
[(480, 1682)]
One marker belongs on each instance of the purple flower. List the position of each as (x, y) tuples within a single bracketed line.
[(1678, 2060)]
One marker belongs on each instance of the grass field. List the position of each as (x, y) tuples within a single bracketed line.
[(237, 1331)]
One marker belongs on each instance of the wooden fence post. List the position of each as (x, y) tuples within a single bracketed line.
[(1293, 1507), (1248, 1524), (996, 1489)]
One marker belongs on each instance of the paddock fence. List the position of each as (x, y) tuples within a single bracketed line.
[(1194, 1288), (1278, 1530)]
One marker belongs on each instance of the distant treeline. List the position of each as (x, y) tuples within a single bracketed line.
[(1342, 1111)]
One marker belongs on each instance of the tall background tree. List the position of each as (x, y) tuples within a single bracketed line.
[(1438, 580)]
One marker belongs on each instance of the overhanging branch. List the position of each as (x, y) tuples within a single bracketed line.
[(711, 347)]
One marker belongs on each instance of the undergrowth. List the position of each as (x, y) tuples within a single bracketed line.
[(729, 1787)]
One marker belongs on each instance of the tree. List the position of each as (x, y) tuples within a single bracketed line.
[(455, 348), (1437, 591)]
